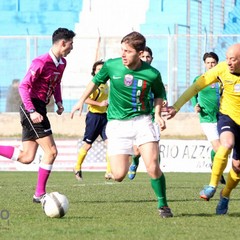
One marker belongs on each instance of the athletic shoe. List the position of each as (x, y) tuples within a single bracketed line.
[(222, 206), (222, 180), (207, 193), (109, 176), (78, 175), (38, 199), (132, 171), (165, 212)]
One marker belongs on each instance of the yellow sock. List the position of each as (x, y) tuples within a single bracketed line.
[(108, 164), (232, 181), (81, 156), (219, 164)]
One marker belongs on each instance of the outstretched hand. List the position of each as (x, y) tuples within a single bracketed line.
[(76, 107), (170, 113)]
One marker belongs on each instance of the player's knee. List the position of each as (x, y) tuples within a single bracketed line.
[(118, 177), (228, 145), (153, 169), (26, 159), (51, 155)]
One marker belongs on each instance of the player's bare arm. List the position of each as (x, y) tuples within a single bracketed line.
[(96, 103), (197, 86), (91, 87), (160, 121), (164, 107), (158, 103)]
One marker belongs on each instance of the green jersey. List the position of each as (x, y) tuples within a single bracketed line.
[(208, 99), (129, 89)]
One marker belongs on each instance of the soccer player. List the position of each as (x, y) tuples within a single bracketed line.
[(147, 56), (129, 113), (228, 73), (96, 121), (206, 103), (42, 80)]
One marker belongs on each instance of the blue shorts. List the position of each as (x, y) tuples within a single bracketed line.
[(95, 126), (225, 123)]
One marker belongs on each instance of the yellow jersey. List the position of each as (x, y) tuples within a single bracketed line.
[(230, 96), (99, 95)]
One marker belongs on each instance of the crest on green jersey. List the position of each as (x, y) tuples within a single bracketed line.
[(128, 80)]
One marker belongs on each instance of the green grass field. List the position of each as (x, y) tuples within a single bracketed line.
[(102, 209)]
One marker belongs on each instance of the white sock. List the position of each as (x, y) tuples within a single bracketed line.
[(46, 166), (15, 154)]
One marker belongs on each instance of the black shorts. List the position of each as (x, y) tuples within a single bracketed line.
[(33, 131), (95, 126), (225, 123)]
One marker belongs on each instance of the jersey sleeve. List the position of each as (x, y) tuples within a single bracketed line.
[(194, 99), (158, 88), (27, 82), (58, 93), (204, 80), (58, 90), (102, 76)]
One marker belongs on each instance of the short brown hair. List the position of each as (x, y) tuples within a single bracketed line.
[(149, 50), (100, 62), (136, 40), (210, 55)]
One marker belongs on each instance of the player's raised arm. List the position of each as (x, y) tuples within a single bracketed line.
[(186, 96), (91, 87)]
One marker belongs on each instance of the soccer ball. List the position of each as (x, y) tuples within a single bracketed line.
[(55, 205)]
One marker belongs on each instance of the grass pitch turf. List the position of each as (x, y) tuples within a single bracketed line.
[(101, 209)]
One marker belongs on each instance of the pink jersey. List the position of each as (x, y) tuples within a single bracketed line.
[(42, 80)]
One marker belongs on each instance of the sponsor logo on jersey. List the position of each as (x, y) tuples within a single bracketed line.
[(237, 87), (229, 81), (116, 77)]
